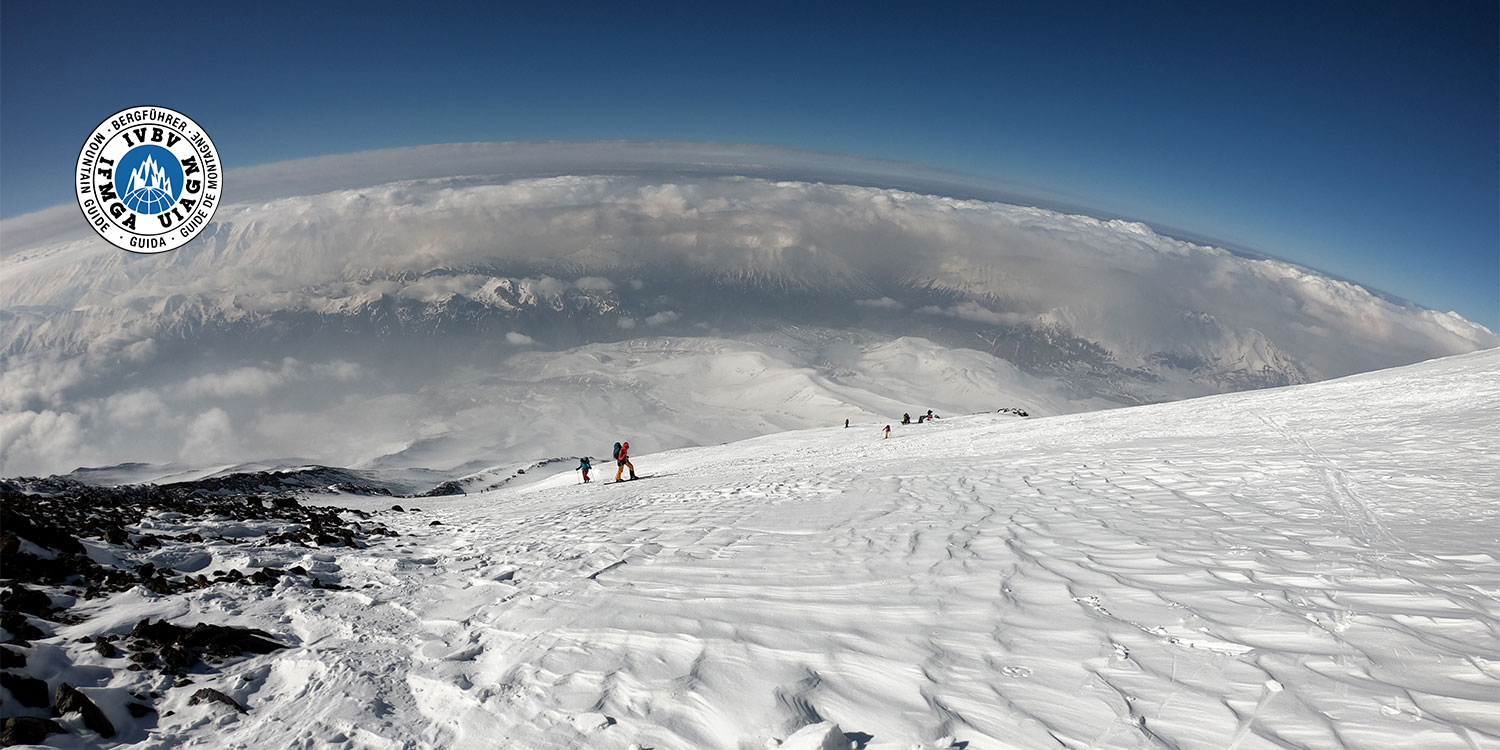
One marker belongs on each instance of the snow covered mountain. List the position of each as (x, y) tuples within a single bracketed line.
[(352, 309), (1312, 566)]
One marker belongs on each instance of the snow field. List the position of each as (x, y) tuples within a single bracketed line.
[(1304, 567)]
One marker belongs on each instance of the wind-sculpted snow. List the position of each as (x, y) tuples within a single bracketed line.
[(358, 271), (1305, 567)]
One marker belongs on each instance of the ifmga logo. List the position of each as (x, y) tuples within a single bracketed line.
[(149, 179)]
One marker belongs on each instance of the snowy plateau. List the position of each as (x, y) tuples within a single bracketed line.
[(1311, 566)]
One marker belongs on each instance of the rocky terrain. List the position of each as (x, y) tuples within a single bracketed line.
[(66, 544)]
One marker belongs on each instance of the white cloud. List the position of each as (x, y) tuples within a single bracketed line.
[(1117, 283), (545, 287), (883, 303), (140, 351), (107, 420), (133, 408), (975, 312), (338, 369), (437, 287), (519, 339), (209, 437), (626, 322), (662, 318), (46, 438), (594, 284), (241, 381), (33, 383), (259, 380)]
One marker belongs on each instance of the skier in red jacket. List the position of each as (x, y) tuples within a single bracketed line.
[(622, 457)]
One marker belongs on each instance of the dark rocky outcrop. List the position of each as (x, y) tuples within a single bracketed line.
[(20, 628), (49, 533), (209, 695), (47, 512), (45, 568), (219, 640), (174, 648), (11, 658), (21, 599), (446, 488), (68, 700), (313, 479), (28, 730), (28, 691)]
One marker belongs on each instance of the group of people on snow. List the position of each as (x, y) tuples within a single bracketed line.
[(621, 454), (906, 419)]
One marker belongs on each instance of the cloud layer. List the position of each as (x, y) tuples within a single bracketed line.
[(96, 342)]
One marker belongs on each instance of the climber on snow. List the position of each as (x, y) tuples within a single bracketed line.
[(622, 458)]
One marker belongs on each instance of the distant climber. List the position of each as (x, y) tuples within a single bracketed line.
[(622, 458), (921, 419), (584, 465), (846, 424), (906, 418), (887, 432), (930, 415)]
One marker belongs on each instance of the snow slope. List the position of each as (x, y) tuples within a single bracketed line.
[(1313, 566)]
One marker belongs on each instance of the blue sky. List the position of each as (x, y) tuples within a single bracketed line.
[(1358, 138)]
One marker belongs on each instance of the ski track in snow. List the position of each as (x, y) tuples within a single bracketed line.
[(1309, 567)]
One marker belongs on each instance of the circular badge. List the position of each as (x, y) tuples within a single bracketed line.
[(148, 179)]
